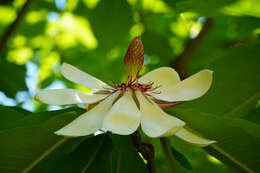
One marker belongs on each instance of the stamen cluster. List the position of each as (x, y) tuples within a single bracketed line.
[(134, 85)]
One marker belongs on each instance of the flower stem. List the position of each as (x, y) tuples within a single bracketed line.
[(167, 153), (146, 149)]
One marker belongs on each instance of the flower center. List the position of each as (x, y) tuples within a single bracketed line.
[(134, 85)]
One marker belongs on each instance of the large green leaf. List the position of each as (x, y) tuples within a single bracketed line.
[(181, 158), (199, 159), (34, 147), (40, 117), (235, 88), (254, 116), (92, 156), (8, 116), (238, 140), (125, 157), (161, 166)]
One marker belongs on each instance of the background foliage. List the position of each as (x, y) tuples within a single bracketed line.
[(93, 35)]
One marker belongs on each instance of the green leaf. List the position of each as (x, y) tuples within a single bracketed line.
[(34, 147), (40, 117), (8, 116), (238, 140), (19, 109), (235, 88), (199, 159), (12, 78), (92, 156), (160, 160), (125, 157), (179, 157), (254, 116)]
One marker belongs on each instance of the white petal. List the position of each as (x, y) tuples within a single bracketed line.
[(75, 75), (124, 117), (90, 121), (188, 89), (68, 96), (165, 77), (155, 122), (192, 138)]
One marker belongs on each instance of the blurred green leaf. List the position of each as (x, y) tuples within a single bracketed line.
[(203, 7), (12, 78), (237, 139), (110, 22)]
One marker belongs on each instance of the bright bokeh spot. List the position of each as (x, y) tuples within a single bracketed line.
[(20, 55), (243, 7), (70, 30), (213, 159), (177, 45), (35, 16), (19, 41), (18, 3), (91, 3), (114, 53), (137, 29), (156, 6), (47, 65), (42, 41), (7, 15)]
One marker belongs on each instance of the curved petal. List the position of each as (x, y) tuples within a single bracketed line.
[(155, 122), (164, 77), (75, 75), (124, 117), (188, 89), (192, 138), (68, 96), (90, 121)]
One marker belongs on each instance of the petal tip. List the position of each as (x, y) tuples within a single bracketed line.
[(64, 66), (206, 144), (62, 132)]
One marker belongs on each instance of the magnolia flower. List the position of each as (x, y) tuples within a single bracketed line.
[(123, 108)]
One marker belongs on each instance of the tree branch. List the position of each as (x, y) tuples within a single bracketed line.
[(10, 29), (181, 62), (146, 149)]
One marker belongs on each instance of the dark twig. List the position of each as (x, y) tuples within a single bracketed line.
[(146, 149), (181, 62), (10, 29)]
